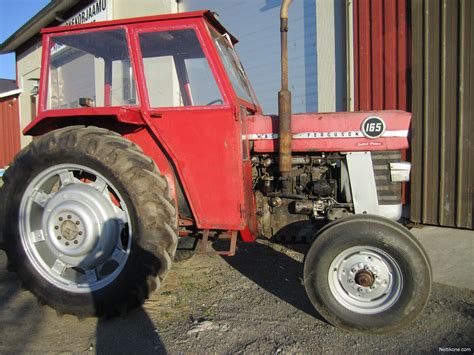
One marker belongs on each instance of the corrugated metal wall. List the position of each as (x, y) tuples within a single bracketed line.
[(9, 129), (380, 54), (418, 55), (443, 113)]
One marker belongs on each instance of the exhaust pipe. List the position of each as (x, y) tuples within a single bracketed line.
[(284, 104)]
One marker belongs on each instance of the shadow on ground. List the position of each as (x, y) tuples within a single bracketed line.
[(275, 271), (134, 333)]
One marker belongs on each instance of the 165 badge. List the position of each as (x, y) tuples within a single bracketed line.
[(373, 127)]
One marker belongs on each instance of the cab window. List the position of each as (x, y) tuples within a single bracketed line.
[(176, 70), (90, 70)]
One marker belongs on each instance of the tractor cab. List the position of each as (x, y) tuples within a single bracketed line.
[(161, 63), (180, 76)]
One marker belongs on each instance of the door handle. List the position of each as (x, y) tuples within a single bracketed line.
[(155, 115)]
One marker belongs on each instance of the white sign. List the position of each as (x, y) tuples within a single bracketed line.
[(97, 11)]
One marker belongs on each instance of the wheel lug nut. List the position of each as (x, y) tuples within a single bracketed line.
[(77, 222), (67, 243), (80, 233), (59, 237), (75, 242), (69, 216), (359, 289), (56, 227), (60, 219)]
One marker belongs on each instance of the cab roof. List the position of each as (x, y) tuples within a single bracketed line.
[(206, 14)]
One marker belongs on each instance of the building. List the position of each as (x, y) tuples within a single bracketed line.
[(9, 121), (343, 55)]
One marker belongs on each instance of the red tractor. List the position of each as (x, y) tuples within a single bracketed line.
[(149, 135)]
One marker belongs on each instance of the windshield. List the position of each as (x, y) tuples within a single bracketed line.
[(234, 68)]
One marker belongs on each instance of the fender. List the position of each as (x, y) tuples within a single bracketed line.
[(102, 117), (126, 121), (147, 141)]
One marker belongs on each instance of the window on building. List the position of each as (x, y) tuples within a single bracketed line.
[(176, 70), (90, 69)]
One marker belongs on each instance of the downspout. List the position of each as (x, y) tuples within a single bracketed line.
[(284, 104)]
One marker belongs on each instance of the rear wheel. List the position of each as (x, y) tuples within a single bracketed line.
[(91, 228), (367, 274)]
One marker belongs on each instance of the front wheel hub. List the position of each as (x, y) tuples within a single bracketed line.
[(364, 278)]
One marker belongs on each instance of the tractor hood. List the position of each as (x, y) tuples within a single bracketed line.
[(333, 132)]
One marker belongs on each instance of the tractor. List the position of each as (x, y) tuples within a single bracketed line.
[(149, 136)]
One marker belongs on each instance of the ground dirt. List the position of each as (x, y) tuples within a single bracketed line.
[(251, 303)]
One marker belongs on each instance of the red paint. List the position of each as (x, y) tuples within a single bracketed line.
[(356, 54), (45, 120), (195, 146), (390, 55), (389, 91), (364, 99), (380, 54), (200, 147), (145, 139), (9, 129), (402, 56), (332, 122), (377, 54)]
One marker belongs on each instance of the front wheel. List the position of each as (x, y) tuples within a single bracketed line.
[(90, 226), (367, 274)]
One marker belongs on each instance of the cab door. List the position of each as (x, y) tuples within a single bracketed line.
[(190, 111)]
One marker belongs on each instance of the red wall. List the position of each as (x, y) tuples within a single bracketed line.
[(9, 129), (380, 54)]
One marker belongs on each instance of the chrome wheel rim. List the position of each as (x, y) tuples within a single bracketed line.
[(75, 228), (365, 280)]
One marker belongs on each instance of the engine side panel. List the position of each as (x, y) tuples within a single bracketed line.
[(331, 132)]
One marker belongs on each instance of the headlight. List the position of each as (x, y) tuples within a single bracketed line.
[(400, 172)]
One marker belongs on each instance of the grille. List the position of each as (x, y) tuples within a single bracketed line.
[(388, 192)]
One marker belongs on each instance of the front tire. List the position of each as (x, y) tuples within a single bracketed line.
[(90, 226), (367, 274)]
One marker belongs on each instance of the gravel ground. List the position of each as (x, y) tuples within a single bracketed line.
[(253, 302)]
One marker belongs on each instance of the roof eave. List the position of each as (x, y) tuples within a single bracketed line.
[(10, 93), (43, 18)]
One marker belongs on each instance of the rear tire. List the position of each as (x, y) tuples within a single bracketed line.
[(91, 228), (367, 274)]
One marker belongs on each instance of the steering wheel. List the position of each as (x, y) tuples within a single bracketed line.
[(213, 102)]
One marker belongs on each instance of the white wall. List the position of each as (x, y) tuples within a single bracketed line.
[(28, 71), (136, 8), (317, 46)]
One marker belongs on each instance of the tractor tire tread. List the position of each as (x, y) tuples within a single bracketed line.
[(158, 223)]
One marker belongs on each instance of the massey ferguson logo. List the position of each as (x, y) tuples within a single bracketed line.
[(373, 127)]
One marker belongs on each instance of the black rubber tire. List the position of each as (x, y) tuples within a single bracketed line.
[(152, 213), (391, 238)]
